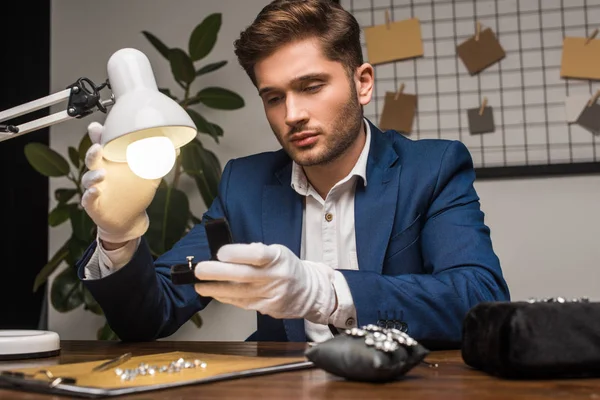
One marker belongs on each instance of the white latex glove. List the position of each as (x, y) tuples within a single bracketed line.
[(270, 280), (115, 198)]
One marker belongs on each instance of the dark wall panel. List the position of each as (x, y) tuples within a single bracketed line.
[(24, 76)]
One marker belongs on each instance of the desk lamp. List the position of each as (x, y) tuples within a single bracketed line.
[(143, 128)]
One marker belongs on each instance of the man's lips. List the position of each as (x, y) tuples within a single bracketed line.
[(306, 138)]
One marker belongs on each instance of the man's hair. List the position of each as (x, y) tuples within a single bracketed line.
[(285, 21)]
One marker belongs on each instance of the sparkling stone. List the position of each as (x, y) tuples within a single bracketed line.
[(389, 346)]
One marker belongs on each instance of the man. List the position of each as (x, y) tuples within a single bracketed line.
[(345, 226)]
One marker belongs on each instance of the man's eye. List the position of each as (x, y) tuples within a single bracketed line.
[(313, 88), (273, 100)]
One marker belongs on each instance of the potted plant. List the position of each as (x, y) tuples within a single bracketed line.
[(169, 212)]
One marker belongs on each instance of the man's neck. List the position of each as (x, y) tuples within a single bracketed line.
[(324, 177)]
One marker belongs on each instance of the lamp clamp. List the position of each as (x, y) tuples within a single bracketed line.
[(85, 97)]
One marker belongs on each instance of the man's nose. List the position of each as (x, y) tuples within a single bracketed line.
[(296, 111)]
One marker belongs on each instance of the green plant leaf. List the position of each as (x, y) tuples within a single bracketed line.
[(210, 67), (76, 249), (84, 144), (203, 166), (191, 157), (82, 226), (157, 43), (212, 172), (167, 92), (51, 266), (89, 303), (204, 126), (197, 320), (168, 214), (67, 291), (45, 160), (181, 66), (106, 333), (64, 195), (216, 97), (204, 36), (59, 215), (213, 162), (218, 131), (74, 156)]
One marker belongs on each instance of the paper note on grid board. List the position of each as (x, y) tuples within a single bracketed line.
[(580, 60), (394, 41), (479, 53), (398, 112), (589, 119), (481, 122)]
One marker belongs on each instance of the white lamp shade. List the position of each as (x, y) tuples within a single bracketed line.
[(140, 110)]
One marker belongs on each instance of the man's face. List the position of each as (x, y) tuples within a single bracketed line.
[(310, 102)]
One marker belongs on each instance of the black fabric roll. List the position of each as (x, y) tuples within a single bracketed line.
[(533, 340)]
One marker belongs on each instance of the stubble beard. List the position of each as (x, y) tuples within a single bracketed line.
[(344, 132)]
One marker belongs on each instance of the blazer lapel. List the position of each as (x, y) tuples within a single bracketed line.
[(375, 204), (282, 224)]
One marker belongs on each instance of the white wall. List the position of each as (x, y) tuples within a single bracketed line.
[(544, 230)]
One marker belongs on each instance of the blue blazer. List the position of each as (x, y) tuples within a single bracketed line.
[(424, 253)]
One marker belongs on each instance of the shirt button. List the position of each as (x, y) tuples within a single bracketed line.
[(350, 322), (328, 217)]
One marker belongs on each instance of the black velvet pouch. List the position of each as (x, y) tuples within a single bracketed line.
[(369, 354), (533, 340)]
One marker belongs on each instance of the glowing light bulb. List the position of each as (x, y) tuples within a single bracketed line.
[(151, 158)]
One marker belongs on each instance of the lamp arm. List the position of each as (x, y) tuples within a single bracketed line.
[(84, 99)]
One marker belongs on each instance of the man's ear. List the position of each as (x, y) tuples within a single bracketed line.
[(364, 78)]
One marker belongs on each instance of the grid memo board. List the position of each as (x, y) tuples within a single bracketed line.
[(525, 88)]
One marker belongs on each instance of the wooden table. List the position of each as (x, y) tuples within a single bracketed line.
[(452, 379)]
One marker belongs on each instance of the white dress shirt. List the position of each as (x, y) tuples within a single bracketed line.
[(328, 236), (105, 262)]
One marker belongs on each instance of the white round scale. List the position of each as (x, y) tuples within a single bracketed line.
[(20, 344)]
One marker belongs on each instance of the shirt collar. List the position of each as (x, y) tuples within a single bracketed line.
[(300, 183)]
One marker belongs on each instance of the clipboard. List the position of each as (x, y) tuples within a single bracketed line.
[(79, 379)]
